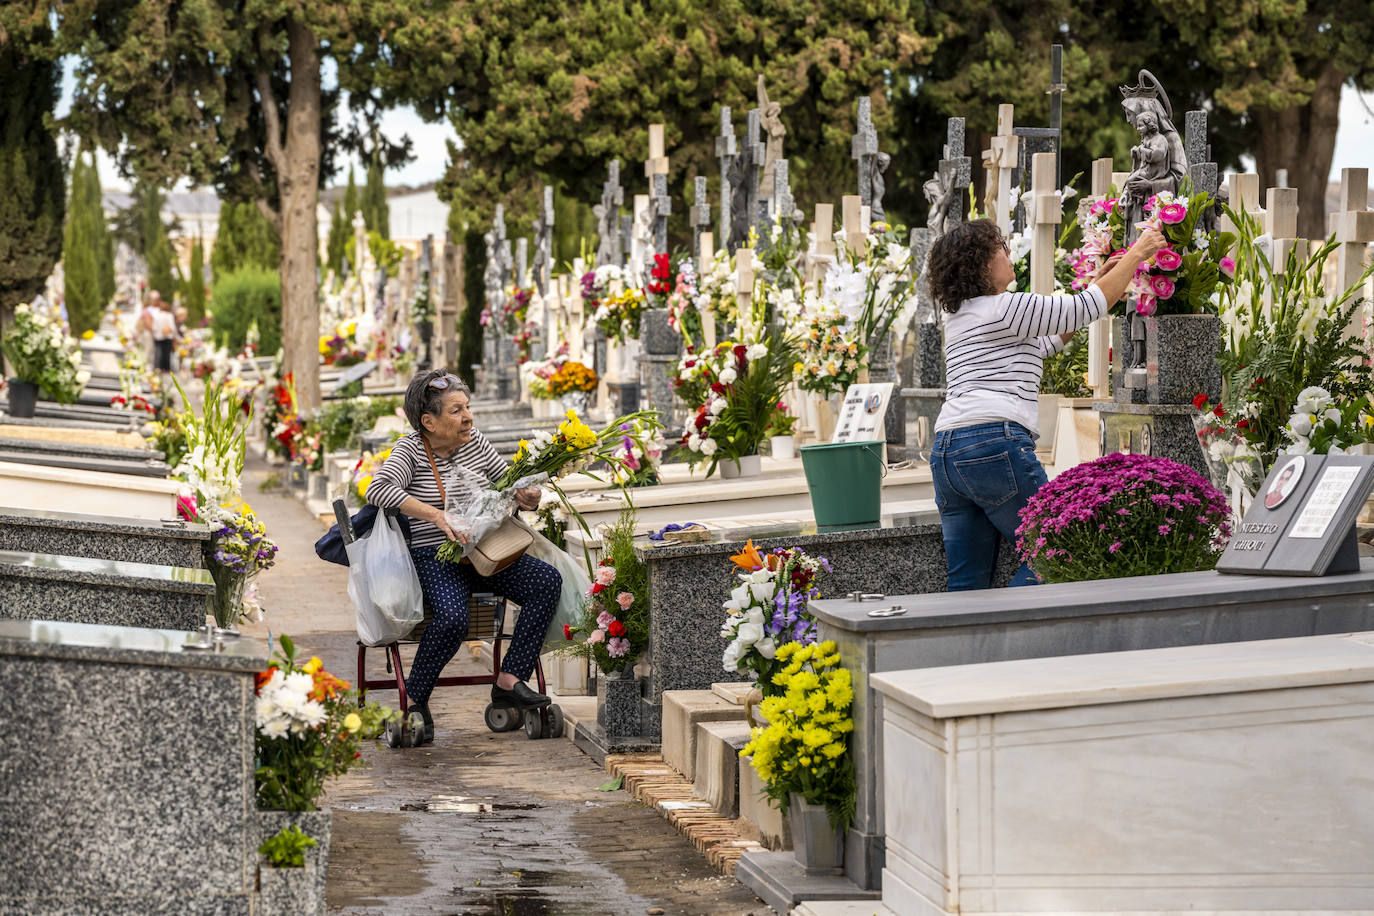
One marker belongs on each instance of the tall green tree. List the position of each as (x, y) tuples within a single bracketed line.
[(470, 319), (351, 203), (245, 239), (104, 238), (545, 95), (33, 192), (157, 248), (375, 211), (193, 291), (80, 260), (232, 95), (339, 235)]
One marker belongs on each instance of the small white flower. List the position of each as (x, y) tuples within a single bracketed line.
[(708, 447), (1300, 424), (728, 375)]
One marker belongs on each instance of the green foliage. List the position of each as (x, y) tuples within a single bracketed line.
[(80, 259), (286, 849), (193, 291), (351, 206), (248, 297), (375, 211), (1066, 371), (337, 247), (33, 190), (469, 321), (344, 421), (386, 253), (157, 250), (245, 239), (104, 238)]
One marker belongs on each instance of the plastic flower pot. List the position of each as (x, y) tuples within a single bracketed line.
[(23, 398), (817, 846), (784, 447), (846, 483), (747, 466)]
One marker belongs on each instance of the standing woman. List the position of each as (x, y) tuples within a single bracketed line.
[(983, 462)]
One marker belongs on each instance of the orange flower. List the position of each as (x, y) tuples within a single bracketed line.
[(327, 686), (748, 559), (262, 677)]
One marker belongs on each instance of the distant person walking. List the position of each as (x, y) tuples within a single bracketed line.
[(983, 462), (163, 326)]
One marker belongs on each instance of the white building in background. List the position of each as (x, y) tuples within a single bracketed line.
[(415, 216)]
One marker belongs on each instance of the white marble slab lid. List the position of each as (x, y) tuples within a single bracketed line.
[(1123, 677)]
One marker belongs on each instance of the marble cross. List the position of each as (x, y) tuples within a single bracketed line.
[(1243, 195), (784, 207), (608, 249), (822, 253), (522, 260), (359, 242), (863, 148), (706, 260), (1045, 213), (662, 205), (726, 151), (998, 160), (958, 168), (700, 213), (1353, 225), (657, 163)]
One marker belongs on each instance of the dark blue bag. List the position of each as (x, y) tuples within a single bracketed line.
[(330, 548)]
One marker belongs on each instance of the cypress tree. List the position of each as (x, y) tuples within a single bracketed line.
[(193, 295), (80, 261), (244, 239), (351, 206), (474, 294), (338, 240), (157, 250), (33, 191), (104, 238), (375, 211)]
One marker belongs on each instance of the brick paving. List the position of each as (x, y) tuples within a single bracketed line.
[(482, 823)]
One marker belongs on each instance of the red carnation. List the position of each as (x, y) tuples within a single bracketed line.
[(689, 364), (567, 632), (717, 387), (1243, 424), (740, 350), (616, 628), (1200, 401), (701, 421), (1219, 411), (597, 588)]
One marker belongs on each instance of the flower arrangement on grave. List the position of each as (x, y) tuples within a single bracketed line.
[(133, 402), (768, 609), (342, 348), (637, 457), (614, 629), (309, 728), (343, 422), (309, 447), (618, 315), (694, 375), (1180, 279), (781, 253), (683, 316), (41, 353), (239, 550), (168, 436), (746, 382), (804, 749), (600, 284), (281, 420), (715, 291), (515, 309), (548, 456), (781, 422), (523, 339), (828, 350), (1320, 425), (215, 446), (572, 376), (1123, 515), (361, 476), (660, 282)]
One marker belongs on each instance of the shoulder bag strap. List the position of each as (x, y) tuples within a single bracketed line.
[(443, 497)]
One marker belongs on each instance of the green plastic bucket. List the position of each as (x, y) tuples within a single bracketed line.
[(846, 483)]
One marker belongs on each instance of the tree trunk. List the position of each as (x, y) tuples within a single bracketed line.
[(1302, 140), (298, 183)]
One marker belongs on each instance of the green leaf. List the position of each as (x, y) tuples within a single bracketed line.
[(611, 786)]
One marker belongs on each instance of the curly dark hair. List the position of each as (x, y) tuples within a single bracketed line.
[(423, 398), (958, 264)]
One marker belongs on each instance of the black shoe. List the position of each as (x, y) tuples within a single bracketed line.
[(520, 695), (427, 733)]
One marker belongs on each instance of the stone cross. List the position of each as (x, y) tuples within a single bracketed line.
[(1100, 331), (608, 249), (1056, 94), (1281, 224), (522, 261), (1201, 169), (498, 225), (1353, 225), (998, 160), (657, 163), (662, 205), (822, 254), (959, 167), (700, 213), (784, 207), (543, 245), (1030, 142), (753, 158), (855, 234), (726, 151), (744, 292), (1045, 212), (641, 240), (863, 148), (922, 237), (1243, 194), (706, 261)]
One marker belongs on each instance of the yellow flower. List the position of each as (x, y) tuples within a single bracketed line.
[(363, 483), (88, 335), (353, 722), (313, 665)]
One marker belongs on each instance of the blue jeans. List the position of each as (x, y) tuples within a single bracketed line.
[(983, 476)]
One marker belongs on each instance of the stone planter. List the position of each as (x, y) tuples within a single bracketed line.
[(316, 824), (818, 847), (1048, 417), (747, 466), (620, 701), (783, 447), (575, 400), (23, 398)]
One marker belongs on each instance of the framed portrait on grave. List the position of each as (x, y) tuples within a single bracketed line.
[(1302, 522)]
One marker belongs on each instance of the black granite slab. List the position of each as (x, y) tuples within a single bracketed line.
[(144, 467), (104, 417), (172, 542), (127, 765), (36, 586), (46, 447)]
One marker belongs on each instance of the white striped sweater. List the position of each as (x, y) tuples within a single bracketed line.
[(406, 472), (995, 349)]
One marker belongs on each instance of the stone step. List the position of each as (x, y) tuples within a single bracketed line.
[(42, 586), (718, 764), (683, 711), (76, 534)]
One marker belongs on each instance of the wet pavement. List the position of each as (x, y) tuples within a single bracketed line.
[(478, 823)]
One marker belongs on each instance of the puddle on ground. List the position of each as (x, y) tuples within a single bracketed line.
[(459, 804)]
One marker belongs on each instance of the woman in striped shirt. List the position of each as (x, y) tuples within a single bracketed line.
[(983, 462), (444, 438)]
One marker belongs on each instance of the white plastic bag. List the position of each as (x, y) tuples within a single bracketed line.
[(391, 580), (472, 507), (576, 582), (374, 627)]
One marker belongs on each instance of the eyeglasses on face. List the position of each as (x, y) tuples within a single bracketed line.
[(444, 381)]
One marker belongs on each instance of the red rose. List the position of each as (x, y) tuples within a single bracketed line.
[(567, 632), (717, 387), (616, 628), (690, 363), (740, 351), (1200, 401), (1219, 411)]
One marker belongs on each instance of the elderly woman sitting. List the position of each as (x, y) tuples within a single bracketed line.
[(436, 404)]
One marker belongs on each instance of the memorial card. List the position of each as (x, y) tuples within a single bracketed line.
[(1302, 522), (861, 416)]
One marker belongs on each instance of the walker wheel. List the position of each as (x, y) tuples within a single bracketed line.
[(394, 736), (535, 725), (555, 722), (502, 718)]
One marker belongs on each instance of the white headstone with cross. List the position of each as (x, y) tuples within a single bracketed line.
[(998, 160), (822, 253), (1046, 213), (1243, 190), (1353, 226), (744, 293), (854, 220), (1100, 331)]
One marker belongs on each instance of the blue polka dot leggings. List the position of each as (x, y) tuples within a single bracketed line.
[(532, 584)]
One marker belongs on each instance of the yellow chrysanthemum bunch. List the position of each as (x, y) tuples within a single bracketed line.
[(803, 749), (578, 434)]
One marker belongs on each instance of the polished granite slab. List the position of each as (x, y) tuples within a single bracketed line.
[(127, 765), (89, 590), (170, 542)]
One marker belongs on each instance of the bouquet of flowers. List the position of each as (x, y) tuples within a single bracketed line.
[(635, 460), (522, 340), (619, 314), (804, 749), (309, 729), (572, 376), (683, 316), (694, 375), (1320, 425), (614, 629), (781, 422), (782, 253), (133, 402), (1179, 279), (281, 421), (538, 373), (828, 350), (215, 447), (660, 282), (41, 353), (341, 348), (715, 291), (239, 549), (768, 609), (1123, 515), (733, 420)]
